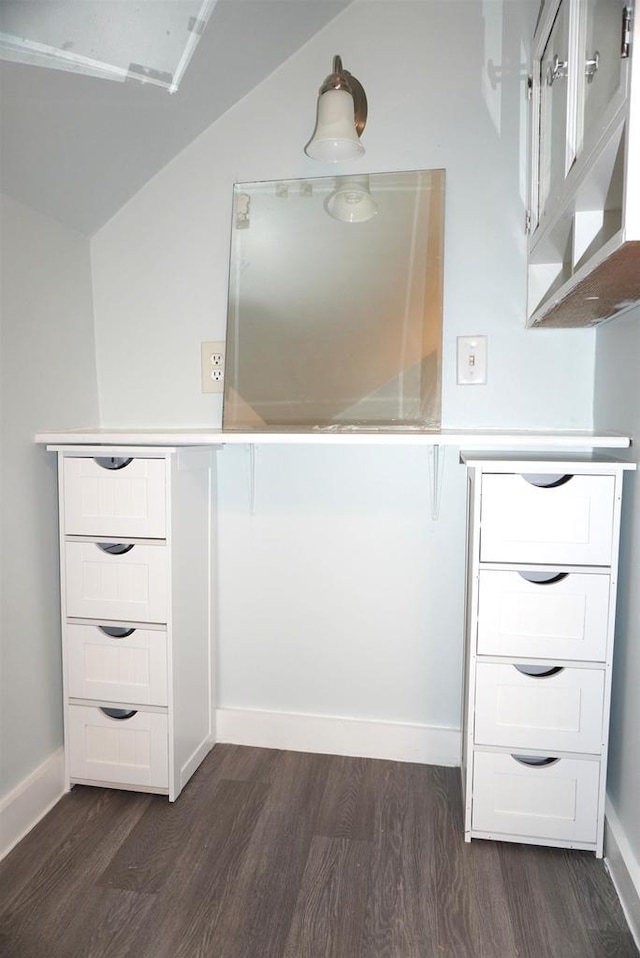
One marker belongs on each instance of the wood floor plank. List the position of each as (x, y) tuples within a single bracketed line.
[(348, 804), (46, 905), (243, 763), (80, 810), (182, 922), (329, 914), (145, 861), (547, 915), (258, 910), (466, 883), (272, 854)]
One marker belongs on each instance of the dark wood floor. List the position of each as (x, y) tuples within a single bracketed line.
[(271, 854)]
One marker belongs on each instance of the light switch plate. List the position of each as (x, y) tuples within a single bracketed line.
[(472, 360)]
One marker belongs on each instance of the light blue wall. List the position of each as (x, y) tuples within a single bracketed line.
[(340, 595), (48, 376)]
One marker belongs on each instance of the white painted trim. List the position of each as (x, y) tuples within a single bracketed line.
[(30, 801), (467, 438), (624, 868), (334, 735)]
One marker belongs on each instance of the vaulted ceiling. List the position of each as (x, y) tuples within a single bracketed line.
[(76, 148)]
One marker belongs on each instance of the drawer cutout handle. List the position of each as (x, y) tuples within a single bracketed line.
[(119, 714), (112, 462), (543, 578), (538, 671), (115, 548), (535, 761), (116, 632), (546, 481)]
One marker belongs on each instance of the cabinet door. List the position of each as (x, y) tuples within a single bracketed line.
[(127, 750), (117, 664), (600, 72), (556, 147), (569, 521), (543, 615), (552, 799), (114, 497), (130, 585), (553, 711)]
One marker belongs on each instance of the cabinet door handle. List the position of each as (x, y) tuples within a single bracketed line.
[(538, 671), (116, 632), (591, 67), (544, 481), (535, 761), (112, 462), (543, 578), (119, 714), (557, 70), (115, 548)]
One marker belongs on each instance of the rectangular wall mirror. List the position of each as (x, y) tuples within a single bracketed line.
[(335, 303)]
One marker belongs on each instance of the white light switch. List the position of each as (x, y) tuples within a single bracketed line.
[(472, 360)]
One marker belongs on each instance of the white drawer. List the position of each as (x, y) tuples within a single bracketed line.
[(103, 663), (558, 712), (128, 501), (571, 523), (125, 751), (552, 801), (131, 586), (565, 618)]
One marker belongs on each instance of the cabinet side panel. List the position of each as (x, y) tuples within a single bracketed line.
[(190, 628), (471, 602)]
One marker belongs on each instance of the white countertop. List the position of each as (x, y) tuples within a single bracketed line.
[(464, 438)]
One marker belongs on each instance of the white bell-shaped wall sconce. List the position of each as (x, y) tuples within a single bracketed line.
[(341, 118), (351, 201)]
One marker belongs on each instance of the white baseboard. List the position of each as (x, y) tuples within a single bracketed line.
[(332, 735), (624, 869), (30, 801)]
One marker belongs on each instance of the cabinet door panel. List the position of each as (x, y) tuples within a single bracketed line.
[(561, 712), (128, 501), (555, 801), (131, 751), (571, 523), (112, 668), (131, 587), (562, 619), (600, 64), (556, 149)]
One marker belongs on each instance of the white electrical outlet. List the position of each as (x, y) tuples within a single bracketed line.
[(212, 366), (472, 360)]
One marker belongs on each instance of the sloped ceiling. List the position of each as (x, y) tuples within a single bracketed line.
[(77, 148)]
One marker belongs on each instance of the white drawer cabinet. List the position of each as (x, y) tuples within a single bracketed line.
[(135, 533), (542, 561)]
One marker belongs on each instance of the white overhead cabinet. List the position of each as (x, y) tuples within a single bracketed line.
[(584, 216), (542, 564), (135, 533)]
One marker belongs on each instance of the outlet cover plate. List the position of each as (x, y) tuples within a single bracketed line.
[(212, 356)]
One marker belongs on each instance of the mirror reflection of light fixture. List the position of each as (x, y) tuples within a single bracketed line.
[(351, 201), (341, 118)]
